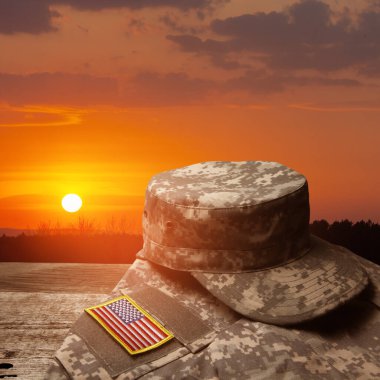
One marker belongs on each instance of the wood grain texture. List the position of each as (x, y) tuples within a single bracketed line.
[(58, 277), (39, 303)]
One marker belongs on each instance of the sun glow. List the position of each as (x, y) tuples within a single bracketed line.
[(71, 202)]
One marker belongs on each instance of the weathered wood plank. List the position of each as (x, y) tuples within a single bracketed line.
[(57, 277), (39, 303)]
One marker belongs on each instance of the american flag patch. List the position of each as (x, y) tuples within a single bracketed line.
[(130, 325)]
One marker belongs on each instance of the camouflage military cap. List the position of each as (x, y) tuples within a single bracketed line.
[(242, 230)]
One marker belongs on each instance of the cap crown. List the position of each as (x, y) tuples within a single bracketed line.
[(226, 216)]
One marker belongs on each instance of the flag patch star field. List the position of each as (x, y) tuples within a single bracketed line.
[(130, 325)]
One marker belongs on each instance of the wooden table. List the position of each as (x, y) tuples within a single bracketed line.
[(38, 304)]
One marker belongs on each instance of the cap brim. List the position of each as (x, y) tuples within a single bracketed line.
[(308, 287)]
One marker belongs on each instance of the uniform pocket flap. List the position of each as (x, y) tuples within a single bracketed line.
[(112, 356), (187, 327)]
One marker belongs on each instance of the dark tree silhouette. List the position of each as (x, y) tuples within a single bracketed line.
[(49, 245), (361, 237), (82, 248)]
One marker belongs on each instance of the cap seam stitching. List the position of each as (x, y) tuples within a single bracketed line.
[(308, 280), (340, 301), (327, 284), (360, 286), (341, 270)]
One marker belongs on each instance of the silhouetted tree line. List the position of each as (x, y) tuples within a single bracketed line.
[(362, 238), (83, 248)]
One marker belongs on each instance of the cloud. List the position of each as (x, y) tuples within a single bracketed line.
[(36, 16), (96, 5), (147, 89), (190, 43), (264, 82), (176, 24), (306, 35), (155, 89), (26, 16), (144, 89), (57, 88), (31, 116), (334, 107)]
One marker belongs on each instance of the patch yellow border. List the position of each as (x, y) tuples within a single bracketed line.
[(129, 299)]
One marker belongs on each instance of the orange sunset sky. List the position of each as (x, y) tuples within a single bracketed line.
[(97, 96)]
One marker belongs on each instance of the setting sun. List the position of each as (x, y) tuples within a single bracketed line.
[(71, 202)]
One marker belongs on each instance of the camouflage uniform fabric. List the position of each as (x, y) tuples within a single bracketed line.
[(343, 344), (229, 267)]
